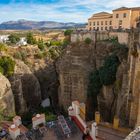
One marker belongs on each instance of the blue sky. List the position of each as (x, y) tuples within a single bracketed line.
[(58, 10)]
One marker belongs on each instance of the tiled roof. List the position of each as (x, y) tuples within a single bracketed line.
[(14, 128), (126, 8), (101, 13), (40, 117), (16, 118)]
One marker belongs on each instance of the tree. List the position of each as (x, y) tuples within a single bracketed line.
[(68, 32), (30, 39), (13, 38), (88, 41), (108, 70), (7, 66), (41, 44)]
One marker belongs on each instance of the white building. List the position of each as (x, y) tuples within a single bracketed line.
[(22, 41), (14, 131), (4, 38), (37, 120)]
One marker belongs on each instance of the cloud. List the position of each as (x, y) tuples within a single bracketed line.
[(59, 10)]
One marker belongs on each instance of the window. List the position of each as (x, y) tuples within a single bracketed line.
[(105, 22), (97, 22), (101, 28), (105, 28), (110, 22), (89, 23), (120, 22), (97, 28), (102, 22), (93, 28), (93, 23), (117, 15), (124, 15), (110, 28)]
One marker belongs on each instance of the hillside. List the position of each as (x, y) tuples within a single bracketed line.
[(27, 25)]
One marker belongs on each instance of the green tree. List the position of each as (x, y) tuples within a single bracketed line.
[(7, 65), (30, 39), (108, 70), (68, 32), (41, 44), (88, 41), (13, 38)]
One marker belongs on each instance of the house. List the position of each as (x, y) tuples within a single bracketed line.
[(22, 42), (121, 18), (4, 38)]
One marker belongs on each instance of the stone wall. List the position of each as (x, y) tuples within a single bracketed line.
[(123, 37)]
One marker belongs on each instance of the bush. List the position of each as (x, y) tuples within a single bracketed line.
[(106, 75), (1, 70), (7, 65), (3, 47), (108, 70), (41, 44), (13, 38), (88, 41), (39, 55), (30, 39), (21, 55), (94, 84), (68, 32), (17, 55)]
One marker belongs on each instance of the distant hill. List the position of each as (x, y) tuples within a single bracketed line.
[(27, 25)]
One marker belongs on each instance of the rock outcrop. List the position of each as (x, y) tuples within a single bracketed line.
[(25, 87), (7, 104)]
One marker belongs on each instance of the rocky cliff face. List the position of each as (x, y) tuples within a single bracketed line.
[(7, 104), (25, 87), (46, 74), (74, 68)]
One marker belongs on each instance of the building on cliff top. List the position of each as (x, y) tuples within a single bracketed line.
[(121, 18)]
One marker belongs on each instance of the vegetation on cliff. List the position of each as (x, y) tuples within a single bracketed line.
[(106, 74), (7, 66)]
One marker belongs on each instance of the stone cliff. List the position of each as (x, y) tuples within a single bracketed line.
[(25, 87), (74, 68), (7, 104)]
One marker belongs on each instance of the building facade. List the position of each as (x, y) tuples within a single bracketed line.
[(121, 18)]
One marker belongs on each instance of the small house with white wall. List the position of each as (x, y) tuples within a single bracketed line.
[(38, 120), (14, 131), (4, 38), (22, 42)]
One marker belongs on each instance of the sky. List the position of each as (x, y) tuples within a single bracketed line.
[(58, 10)]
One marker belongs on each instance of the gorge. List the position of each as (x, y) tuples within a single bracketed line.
[(68, 77)]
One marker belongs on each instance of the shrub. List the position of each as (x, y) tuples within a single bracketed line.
[(94, 84), (108, 70), (65, 42), (1, 70), (3, 47), (88, 41), (56, 43), (41, 44), (68, 32), (7, 65), (13, 38), (30, 39), (17, 55), (39, 55)]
